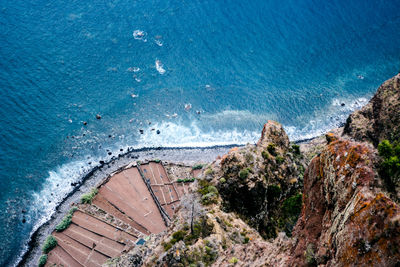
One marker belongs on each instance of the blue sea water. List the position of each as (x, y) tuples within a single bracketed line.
[(140, 63)]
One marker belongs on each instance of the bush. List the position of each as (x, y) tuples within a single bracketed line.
[(66, 221), (42, 260), (233, 260), (265, 155), (49, 244), (243, 174), (296, 149), (186, 180), (222, 180), (157, 161), (197, 167), (390, 166), (272, 149), (279, 160), (292, 205), (87, 198)]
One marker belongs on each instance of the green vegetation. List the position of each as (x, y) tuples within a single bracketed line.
[(222, 180), (243, 174), (279, 160), (310, 256), (296, 149), (273, 193), (66, 221), (201, 229), (233, 260), (209, 171), (209, 193), (272, 149), (292, 205), (197, 167), (49, 244), (42, 260), (157, 161), (265, 155), (186, 180), (87, 198), (390, 166)]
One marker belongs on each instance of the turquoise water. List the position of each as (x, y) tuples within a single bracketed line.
[(235, 63)]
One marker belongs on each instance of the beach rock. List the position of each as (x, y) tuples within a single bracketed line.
[(380, 118)]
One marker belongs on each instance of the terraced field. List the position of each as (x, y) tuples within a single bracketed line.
[(130, 205)]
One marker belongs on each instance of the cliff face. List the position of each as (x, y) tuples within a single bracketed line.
[(256, 208), (263, 183), (346, 219), (380, 118)]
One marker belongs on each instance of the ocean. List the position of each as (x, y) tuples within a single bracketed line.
[(170, 74)]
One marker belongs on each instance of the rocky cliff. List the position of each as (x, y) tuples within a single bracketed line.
[(256, 206)]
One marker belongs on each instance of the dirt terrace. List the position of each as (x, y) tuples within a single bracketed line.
[(133, 203)]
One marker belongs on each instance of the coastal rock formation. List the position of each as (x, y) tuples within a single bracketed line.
[(346, 219), (380, 118), (263, 183)]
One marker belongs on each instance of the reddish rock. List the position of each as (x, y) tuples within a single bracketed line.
[(345, 220)]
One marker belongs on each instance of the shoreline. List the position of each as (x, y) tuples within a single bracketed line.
[(99, 173), (94, 177)]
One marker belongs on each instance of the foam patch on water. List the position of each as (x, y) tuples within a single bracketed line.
[(174, 134), (329, 118)]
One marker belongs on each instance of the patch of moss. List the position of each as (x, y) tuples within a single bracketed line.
[(87, 198), (49, 244)]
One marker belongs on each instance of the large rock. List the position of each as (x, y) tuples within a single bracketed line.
[(380, 118), (346, 220), (263, 183)]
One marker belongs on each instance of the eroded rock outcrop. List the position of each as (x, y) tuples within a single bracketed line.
[(263, 183), (380, 118), (346, 219)]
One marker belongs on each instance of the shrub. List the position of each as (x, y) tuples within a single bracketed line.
[(292, 205), (265, 155), (210, 198), (157, 161), (390, 166), (273, 193), (186, 180), (197, 167), (87, 198), (296, 149), (49, 244), (279, 160), (209, 171), (272, 149), (66, 221), (243, 174), (42, 260), (233, 260), (222, 180)]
